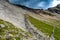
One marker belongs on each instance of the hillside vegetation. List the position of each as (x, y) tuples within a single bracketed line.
[(45, 28), (9, 32)]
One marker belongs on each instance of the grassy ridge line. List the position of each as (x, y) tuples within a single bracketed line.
[(45, 28)]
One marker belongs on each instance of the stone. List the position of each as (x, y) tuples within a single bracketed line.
[(2, 26)]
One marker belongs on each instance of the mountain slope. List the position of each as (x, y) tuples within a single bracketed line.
[(15, 15), (55, 9), (42, 18), (34, 26), (9, 32)]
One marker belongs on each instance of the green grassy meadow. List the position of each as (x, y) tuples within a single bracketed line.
[(45, 28)]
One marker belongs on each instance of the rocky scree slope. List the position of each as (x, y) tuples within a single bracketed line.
[(15, 15)]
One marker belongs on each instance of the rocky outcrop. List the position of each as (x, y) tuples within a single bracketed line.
[(55, 9), (58, 6)]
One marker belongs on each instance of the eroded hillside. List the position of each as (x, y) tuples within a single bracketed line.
[(28, 24)]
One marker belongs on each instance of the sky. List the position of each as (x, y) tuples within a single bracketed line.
[(36, 4)]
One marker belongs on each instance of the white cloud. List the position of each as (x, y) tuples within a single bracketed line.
[(55, 3)]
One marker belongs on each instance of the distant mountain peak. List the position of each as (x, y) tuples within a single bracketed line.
[(58, 5)]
